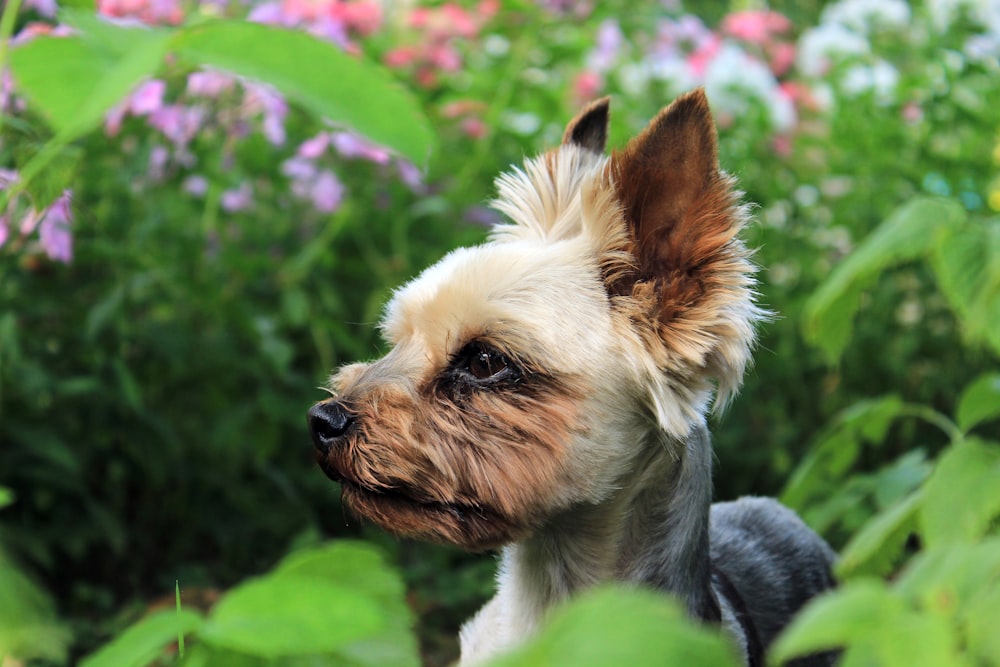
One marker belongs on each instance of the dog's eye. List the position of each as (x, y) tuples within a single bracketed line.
[(484, 362)]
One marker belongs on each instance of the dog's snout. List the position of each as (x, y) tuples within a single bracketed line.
[(328, 422)]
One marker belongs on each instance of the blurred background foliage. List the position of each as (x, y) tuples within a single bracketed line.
[(177, 279)]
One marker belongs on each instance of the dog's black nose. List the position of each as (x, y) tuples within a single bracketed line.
[(328, 422)]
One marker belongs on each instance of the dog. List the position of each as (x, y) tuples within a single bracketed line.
[(546, 393)]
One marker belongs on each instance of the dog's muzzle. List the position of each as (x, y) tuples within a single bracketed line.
[(329, 422)]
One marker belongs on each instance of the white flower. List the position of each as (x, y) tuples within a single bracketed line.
[(865, 16), (825, 44), (880, 78), (733, 78)]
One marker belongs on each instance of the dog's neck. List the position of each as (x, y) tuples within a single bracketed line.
[(653, 531)]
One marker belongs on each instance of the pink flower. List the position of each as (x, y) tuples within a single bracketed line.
[(209, 83), (755, 26), (782, 57), (298, 169), (148, 97), (53, 232), (365, 16), (147, 11), (315, 147), (587, 85), (3, 230), (178, 123), (352, 146), (700, 59)]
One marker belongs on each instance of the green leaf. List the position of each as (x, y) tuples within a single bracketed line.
[(363, 569), (905, 235), (6, 497), (967, 266), (104, 36), (979, 402), (143, 642), (291, 615), (962, 496), (74, 83), (947, 579), (622, 627), (875, 548), (29, 627), (318, 75), (848, 614)]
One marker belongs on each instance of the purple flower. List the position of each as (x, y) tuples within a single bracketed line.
[(3, 230), (237, 199), (178, 123), (411, 175), (263, 99), (53, 232), (327, 192), (209, 83), (195, 185), (47, 8), (315, 147), (147, 97), (350, 145), (298, 169), (609, 41)]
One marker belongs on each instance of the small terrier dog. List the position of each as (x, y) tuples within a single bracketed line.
[(546, 392)]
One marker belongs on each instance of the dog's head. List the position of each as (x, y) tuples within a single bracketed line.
[(526, 374)]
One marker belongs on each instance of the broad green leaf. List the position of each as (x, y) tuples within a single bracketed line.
[(979, 402), (848, 614), (74, 83), (105, 36), (948, 579), (29, 627), (318, 75), (144, 641), (905, 235), (362, 568), (909, 639), (291, 615), (874, 549), (967, 266), (622, 627), (962, 496)]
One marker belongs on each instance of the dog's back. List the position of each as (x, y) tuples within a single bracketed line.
[(773, 560)]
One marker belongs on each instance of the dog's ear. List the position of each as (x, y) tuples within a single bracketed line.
[(590, 127), (691, 278)]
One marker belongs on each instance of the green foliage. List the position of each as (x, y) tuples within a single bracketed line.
[(622, 627), (907, 234), (340, 602), (152, 393)]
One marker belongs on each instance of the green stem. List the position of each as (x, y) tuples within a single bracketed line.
[(932, 416)]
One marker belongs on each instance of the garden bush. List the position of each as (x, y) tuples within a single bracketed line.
[(203, 206)]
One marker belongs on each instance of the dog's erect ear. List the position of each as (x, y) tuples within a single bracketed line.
[(692, 278), (590, 127)]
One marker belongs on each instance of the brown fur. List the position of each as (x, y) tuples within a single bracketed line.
[(475, 470)]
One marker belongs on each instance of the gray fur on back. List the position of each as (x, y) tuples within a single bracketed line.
[(775, 562)]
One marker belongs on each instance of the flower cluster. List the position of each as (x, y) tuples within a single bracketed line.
[(437, 31), (22, 219)]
